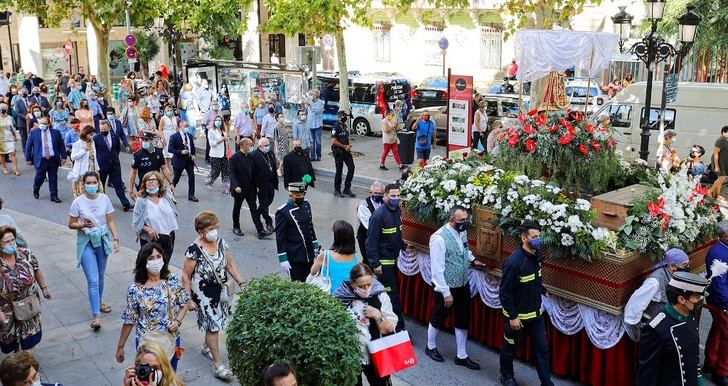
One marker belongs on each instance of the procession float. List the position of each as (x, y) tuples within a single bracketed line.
[(605, 221)]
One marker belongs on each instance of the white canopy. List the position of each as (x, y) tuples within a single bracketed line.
[(539, 52)]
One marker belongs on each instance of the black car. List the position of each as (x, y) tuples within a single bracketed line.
[(431, 92)]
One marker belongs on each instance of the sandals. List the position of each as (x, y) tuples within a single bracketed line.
[(223, 373), (105, 309), (6, 172), (205, 352), (17, 173), (96, 324)]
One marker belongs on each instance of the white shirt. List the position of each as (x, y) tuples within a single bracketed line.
[(160, 217), (640, 299), (364, 214), (204, 97), (93, 209), (268, 127), (438, 251), (217, 148)]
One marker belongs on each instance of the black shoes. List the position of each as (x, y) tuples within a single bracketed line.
[(269, 228), (382, 167), (36, 195), (349, 193), (720, 381), (467, 362), (434, 354), (193, 198), (128, 208), (510, 381), (264, 234), (56, 200), (238, 232), (337, 193)]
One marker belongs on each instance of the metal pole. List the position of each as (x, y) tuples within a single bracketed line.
[(447, 119), (314, 82), (443, 62), (645, 124), (10, 42), (173, 51)]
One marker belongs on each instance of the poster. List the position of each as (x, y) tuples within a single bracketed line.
[(54, 60), (200, 76), (118, 62), (459, 118)]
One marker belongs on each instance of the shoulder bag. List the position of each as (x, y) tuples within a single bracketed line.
[(226, 293), (422, 140), (164, 339), (25, 308), (321, 280)]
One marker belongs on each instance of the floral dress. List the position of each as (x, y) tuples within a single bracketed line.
[(148, 308), (59, 119), (18, 283), (212, 315)]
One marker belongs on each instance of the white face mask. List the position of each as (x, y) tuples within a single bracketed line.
[(36, 382), (211, 235), (155, 266)]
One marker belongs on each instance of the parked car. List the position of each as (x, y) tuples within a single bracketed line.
[(431, 92), (498, 106), (509, 87), (576, 91)]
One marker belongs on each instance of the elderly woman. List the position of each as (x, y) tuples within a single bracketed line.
[(8, 137), (91, 215), (720, 161), (153, 358), (155, 301), (207, 270), (667, 159), (21, 277), (83, 154), (155, 213), (367, 301)]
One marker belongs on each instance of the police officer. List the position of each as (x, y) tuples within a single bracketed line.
[(670, 344), (341, 148), (364, 213), (384, 243), (295, 237), (520, 294), (148, 158)]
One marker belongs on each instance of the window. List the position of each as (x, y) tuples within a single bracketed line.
[(491, 108), (438, 83), (382, 42), (277, 45), (433, 54), (620, 115), (655, 118), (580, 92), (490, 47)]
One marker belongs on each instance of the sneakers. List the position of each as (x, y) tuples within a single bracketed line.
[(382, 167), (264, 234), (223, 373), (434, 354)]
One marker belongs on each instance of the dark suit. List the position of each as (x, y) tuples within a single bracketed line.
[(296, 238), (41, 101), (183, 162), (21, 110), (116, 128), (45, 165), (295, 166), (109, 164), (242, 175), (266, 180)]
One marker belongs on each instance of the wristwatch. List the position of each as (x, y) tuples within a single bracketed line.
[(179, 322)]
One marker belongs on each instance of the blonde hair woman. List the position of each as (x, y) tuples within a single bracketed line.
[(155, 213), (155, 365)]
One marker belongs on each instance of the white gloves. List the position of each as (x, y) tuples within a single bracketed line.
[(286, 267)]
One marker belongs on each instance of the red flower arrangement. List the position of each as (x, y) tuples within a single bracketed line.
[(583, 149), (531, 145)]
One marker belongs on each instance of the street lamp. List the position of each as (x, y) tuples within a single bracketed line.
[(653, 49), (172, 36)]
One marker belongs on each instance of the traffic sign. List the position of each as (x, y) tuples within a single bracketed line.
[(131, 52), (68, 45), (671, 88), (443, 43), (130, 40)]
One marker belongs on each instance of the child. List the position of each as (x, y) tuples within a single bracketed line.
[(494, 138), (696, 167)]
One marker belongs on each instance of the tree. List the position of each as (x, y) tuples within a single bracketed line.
[(713, 28), (148, 47)]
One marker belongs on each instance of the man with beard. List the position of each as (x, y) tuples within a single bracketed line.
[(297, 164), (266, 180)]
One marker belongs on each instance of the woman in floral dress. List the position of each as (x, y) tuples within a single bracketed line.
[(207, 269), (59, 116), (20, 272), (155, 301)]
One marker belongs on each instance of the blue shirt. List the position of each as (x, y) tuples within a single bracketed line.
[(337, 272), (45, 135), (424, 128), (260, 112), (71, 138), (315, 114)]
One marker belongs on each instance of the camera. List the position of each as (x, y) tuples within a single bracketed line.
[(144, 372)]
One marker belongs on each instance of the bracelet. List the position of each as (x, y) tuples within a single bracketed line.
[(179, 322), (43, 287)]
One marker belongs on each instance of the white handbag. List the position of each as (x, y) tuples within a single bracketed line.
[(321, 280)]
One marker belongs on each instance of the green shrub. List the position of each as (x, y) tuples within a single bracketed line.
[(279, 320)]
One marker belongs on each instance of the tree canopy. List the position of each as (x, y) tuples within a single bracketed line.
[(713, 28)]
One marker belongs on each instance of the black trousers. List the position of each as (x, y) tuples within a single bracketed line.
[(300, 271), (461, 304), (511, 338), (238, 204), (477, 137), (48, 167), (207, 147), (190, 169), (344, 158), (265, 198), (372, 377), (361, 238), (114, 176), (389, 281), (166, 242)]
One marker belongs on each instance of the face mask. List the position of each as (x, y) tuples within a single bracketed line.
[(343, 119), (270, 110), (36, 114), (363, 293), (10, 249), (302, 117), (92, 189), (188, 130), (155, 266), (59, 104), (93, 97), (104, 132), (218, 123), (298, 149), (153, 190), (36, 382), (298, 201), (378, 198), (535, 244), (146, 145), (170, 114), (674, 140), (692, 154), (43, 127), (110, 117), (78, 88), (266, 149), (84, 106), (393, 202), (215, 108), (211, 235), (461, 226), (4, 111), (36, 93)]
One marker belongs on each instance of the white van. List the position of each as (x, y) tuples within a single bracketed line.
[(698, 114)]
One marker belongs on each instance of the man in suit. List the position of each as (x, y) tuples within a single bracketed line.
[(21, 111), (266, 179), (40, 100), (242, 187), (108, 145), (182, 147), (297, 164), (114, 126), (45, 151)]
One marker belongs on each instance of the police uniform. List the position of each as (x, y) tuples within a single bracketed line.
[(146, 161), (295, 235), (669, 352), (341, 157)]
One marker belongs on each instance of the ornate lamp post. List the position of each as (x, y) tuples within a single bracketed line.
[(653, 49)]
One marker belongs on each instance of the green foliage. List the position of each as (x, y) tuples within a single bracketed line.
[(713, 28), (147, 46), (541, 14), (279, 320)]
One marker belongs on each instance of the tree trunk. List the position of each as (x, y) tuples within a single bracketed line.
[(543, 20), (343, 72), (102, 55)]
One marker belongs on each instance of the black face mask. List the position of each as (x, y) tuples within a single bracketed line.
[(298, 149), (105, 133), (298, 201), (36, 93), (270, 110), (378, 198), (343, 119)]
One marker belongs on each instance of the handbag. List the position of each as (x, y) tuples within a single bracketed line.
[(226, 293), (164, 339), (422, 139), (25, 308), (321, 280), (392, 353)]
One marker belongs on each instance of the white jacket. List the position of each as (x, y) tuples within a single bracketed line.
[(217, 150), (80, 157)]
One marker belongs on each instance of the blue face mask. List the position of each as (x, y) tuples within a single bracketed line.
[(10, 249), (188, 130), (170, 114), (43, 127), (393, 202), (153, 190), (110, 117), (36, 114), (535, 244), (218, 123), (91, 189), (146, 145), (266, 149), (461, 226)]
